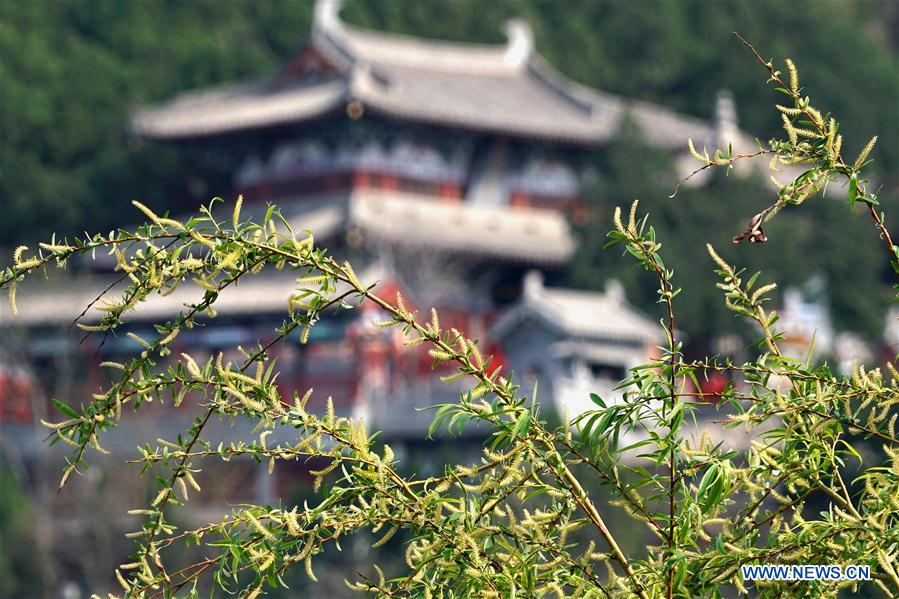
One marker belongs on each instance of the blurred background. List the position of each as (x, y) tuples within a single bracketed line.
[(467, 154)]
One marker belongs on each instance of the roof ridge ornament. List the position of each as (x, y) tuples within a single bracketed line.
[(724, 119), (520, 44), (326, 17), (615, 291), (533, 284)]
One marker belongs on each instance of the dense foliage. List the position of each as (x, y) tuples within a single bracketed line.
[(520, 522)]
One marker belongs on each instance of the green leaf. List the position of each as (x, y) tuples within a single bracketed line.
[(65, 409), (677, 416), (752, 280), (604, 422), (586, 430), (709, 487), (521, 425)]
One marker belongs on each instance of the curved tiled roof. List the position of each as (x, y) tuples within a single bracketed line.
[(238, 107), (524, 236), (404, 51), (579, 315), (591, 315), (499, 102), (533, 236), (501, 88)]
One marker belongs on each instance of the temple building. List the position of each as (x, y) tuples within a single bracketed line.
[(443, 170), (573, 343)]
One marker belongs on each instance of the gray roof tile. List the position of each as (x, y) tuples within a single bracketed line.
[(505, 89)]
